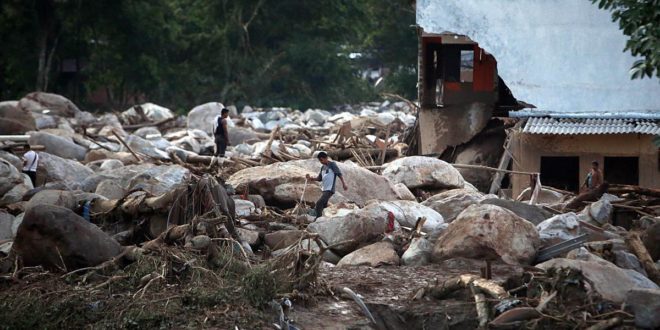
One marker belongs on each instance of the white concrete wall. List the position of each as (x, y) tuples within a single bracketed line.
[(560, 55)]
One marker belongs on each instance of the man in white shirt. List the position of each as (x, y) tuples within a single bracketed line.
[(328, 177), (30, 163)]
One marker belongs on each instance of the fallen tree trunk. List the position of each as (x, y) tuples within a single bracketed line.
[(591, 196), (637, 247)]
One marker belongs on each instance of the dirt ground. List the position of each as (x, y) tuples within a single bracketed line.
[(387, 291)]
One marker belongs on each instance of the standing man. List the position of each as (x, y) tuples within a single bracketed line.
[(30, 163), (328, 177), (594, 177), (221, 133)]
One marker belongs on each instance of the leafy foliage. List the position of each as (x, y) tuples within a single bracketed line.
[(183, 52), (638, 19)]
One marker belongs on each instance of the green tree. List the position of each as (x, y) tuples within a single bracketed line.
[(638, 19)]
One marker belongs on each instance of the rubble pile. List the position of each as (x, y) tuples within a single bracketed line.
[(135, 212)]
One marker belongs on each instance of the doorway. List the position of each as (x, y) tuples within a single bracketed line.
[(621, 170), (561, 172)]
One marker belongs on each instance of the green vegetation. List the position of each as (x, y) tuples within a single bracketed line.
[(638, 19), (180, 53)]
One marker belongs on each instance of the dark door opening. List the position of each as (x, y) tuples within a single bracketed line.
[(621, 170), (561, 172)]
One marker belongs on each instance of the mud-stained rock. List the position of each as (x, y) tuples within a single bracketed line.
[(152, 112), (374, 255), (406, 213), (6, 223), (282, 238), (645, 304), (14, 120), (606, 279), (403, 193), (56, 168), (144, 147), (423, 172), (651, 239), (58, 146), (55, 104), (488, 232), (12, 159), (59, 239)]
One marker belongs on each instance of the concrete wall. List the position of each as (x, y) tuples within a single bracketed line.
[(528, 149), (560, 55)]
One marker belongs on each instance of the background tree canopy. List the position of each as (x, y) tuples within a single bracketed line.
[(180, 53)]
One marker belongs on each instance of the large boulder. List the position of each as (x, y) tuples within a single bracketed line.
[(16, 193), (406, 213), (645, 304), (12, 159), (158, 180), (546, 196), (238, 135), (606, 279), (145, 147), (60, 198), (14, 120), (532, 213), (450, 205), (9, 176), (6, 223), (374, 255), (202, 116), (52, 104), (59, 169), (599, 212), (352, 230), (488, 232), (59, 146), (363, 185), (110, 189), (418, 253), (282, 238), (423, 172), (651, 239), (57, 238), (559, 228), (152, 112)]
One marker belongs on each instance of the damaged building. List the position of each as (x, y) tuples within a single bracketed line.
[(480, 63)]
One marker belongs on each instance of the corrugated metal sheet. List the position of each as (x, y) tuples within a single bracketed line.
[(526, 113), (577, 126)]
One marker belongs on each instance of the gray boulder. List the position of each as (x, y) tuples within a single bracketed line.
[(58, 146), (110, 189), (418, 253), (559, 228), (609, 281), (110, 164), (52, 104), (202, 116), (145, 147), (14, 120), (6, 223), (406, 213), (59, 169), (12, 159), (352, 230), (453, 204), (532, 213), (645, 304), (599, 212), (9, 177), (60, 198), (58, 239), (423, 172)]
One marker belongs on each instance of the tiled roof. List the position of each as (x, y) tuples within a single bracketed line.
[(577, 126)]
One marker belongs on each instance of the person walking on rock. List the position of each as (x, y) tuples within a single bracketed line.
[(328, 178), (221, 133), (30, 163)]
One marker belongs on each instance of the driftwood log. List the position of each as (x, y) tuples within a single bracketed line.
[(637, 247), (626, 189), (590, 196)]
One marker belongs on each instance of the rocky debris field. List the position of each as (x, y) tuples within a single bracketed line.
[(133, 223)]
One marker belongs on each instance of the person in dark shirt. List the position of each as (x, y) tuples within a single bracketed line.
[(328, 178), (221, 133)]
